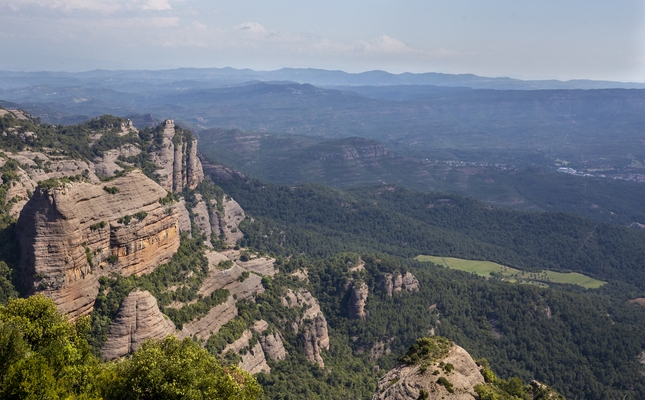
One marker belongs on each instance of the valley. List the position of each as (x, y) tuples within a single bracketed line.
[(313, 289)]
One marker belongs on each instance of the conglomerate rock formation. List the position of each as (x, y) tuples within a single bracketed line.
[(71, 235), (312, 324), (138, 319), (177, 158), (407, 381)]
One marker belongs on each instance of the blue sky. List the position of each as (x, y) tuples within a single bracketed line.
[(565, 39)]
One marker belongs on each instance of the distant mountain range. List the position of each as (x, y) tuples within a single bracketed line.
[(217, 77)]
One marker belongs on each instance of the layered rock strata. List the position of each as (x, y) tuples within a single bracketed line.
[(239, 288), (137, 320), (210, 323), (106, 164), (72, 235), (408, 381), (177, 158)]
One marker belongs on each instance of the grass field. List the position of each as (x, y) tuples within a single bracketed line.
[(488, 269)]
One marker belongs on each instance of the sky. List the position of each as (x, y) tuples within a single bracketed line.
[(547, 39)]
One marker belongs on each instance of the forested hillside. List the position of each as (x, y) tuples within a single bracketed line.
[(322, 221), (314, 289)]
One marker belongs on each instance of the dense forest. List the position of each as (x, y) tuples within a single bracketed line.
[(321, 221)]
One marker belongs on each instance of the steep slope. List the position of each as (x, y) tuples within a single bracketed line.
[(73, 233), (176, 155)]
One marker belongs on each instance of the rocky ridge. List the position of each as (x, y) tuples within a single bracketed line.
[(435, 368)]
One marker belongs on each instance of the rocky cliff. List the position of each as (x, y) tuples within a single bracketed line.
[(409, 381), (435, 368), (357, 300), (398, 282), (312, 324), (138, 319), (176, 156), (227, 222), (272, 342), (72, 234)]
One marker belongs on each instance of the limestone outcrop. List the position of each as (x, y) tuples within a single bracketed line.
[(312, 324), (176, 155), (408, 381), (137, 320), (71, 235), (273, 346), (397, 282), (357, 300)]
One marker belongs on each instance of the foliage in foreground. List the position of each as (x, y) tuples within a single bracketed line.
[(44, 356)]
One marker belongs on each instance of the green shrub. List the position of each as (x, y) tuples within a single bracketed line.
[(429, 349), (111, 190), (444, 382)]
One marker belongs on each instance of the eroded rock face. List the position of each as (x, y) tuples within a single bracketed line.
[(397, 282), (273, 346), (138, 319), (312, 324), (272, 343), (405, 382), (210, 323), (106, 164), (200, 212), (357, 300), (180, 166), (184, 217), (71, 236), (253, 359), (227, 224)]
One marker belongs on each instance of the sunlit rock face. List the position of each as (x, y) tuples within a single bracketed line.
[(72, 235)]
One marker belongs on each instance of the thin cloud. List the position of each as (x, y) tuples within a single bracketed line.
[(100, 6)]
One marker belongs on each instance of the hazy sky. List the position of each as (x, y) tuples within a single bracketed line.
[(562, 39)]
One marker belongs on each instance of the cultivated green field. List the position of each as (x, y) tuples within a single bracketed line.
[(488, 269)]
